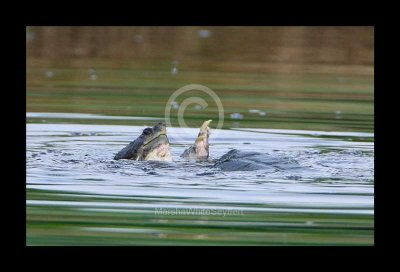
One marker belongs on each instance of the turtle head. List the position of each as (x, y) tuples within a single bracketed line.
[(152, 144), (150, 134), (155, 144), (201, 143)]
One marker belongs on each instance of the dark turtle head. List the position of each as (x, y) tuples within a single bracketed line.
[(155, 144), (149, 134), (152, 144)]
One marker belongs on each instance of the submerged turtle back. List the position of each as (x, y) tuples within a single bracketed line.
[(236, 160)]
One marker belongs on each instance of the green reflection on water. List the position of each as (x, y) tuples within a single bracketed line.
[(301, 77), (63, 225), (291, 104)]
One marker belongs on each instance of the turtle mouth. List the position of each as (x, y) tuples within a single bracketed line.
[(152, 144), (158, 137), (157, 148)]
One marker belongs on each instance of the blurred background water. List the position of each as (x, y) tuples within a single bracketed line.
[(319, 78), (301, 92)]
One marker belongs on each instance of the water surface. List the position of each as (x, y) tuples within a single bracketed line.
[(78, 195)]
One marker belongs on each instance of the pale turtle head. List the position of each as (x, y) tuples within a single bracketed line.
[(204, 134), (200, 149)]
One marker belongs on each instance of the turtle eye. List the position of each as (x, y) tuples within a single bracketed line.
[(147, 131)]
